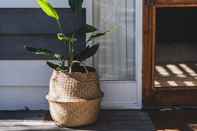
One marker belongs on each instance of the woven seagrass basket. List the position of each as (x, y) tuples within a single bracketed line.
[(75, 85), (74, 98), (74, 112)]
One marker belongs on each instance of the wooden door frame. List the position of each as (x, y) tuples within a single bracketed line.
[(148, 61), (149, 94)]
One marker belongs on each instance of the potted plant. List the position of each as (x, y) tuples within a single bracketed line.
[(74, 95)]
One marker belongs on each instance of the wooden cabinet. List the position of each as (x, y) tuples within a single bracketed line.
[(151, 95)]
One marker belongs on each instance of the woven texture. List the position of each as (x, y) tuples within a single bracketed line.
[(73, 114), (75, 85), (74, 99)]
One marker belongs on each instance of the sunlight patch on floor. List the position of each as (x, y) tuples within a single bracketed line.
[(174, 69), (189, 83), (157, 84), (172, 83), (190, 71), (176, 75), (162, 71), (169, 130)]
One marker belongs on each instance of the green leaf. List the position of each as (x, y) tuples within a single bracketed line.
[(67, 39), (48, 9), (81, 31), (56, 66), (96, 35), (87, 29), (61, 36), (76, 5), (86, 53), (44, 52)]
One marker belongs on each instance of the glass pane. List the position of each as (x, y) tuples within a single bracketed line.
[(116, 57)]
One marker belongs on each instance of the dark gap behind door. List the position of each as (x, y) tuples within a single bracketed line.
[(176, 47)]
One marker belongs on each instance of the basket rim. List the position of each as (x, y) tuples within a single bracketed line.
[(77, 72)]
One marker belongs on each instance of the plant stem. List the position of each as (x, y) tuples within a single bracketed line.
[(70, 42), (71, 52), (60, 27), (61, 31)]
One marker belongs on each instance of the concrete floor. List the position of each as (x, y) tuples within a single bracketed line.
[(108, 121)]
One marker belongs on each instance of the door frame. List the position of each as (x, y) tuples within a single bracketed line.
[(148, 61), (152, 97)]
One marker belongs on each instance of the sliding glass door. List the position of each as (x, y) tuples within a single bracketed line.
[(118, 53), (116, 58)]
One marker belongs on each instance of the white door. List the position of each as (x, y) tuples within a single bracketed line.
[(118, 61)]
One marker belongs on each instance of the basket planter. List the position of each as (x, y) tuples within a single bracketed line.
[(74, 112), (74, 98)]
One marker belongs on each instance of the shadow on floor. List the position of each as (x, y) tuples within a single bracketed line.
[(109, 120), (175, 120)]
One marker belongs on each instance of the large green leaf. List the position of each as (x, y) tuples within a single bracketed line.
[(87, 29), (76, 5), (86, 53), (81, 31), (56, 66), (48, 9), (44, 52), (96, 35)]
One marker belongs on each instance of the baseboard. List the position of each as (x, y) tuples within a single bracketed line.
[(33, 98)]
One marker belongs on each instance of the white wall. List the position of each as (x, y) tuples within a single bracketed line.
[(25, 83)]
